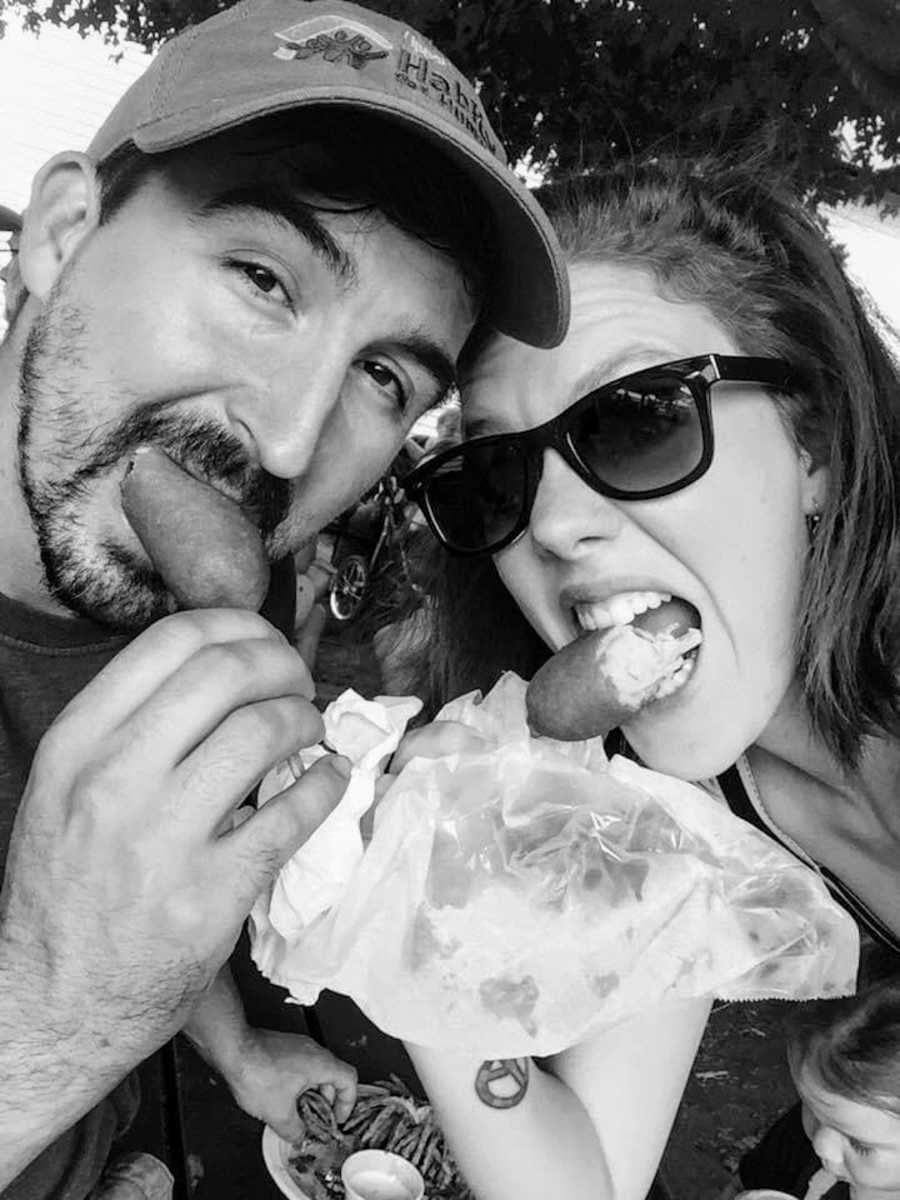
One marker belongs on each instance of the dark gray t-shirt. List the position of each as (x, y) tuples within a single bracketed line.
[(44, 662)]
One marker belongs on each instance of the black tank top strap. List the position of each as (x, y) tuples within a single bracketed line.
[(861, 912), (738, 800), (616, 743)]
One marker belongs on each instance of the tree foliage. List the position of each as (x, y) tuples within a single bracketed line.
[(573, 83)]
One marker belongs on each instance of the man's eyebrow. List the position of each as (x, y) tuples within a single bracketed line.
[(286, 209), (433, 359)]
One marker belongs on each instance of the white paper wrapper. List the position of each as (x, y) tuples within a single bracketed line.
[(515, 900), (367, 732)]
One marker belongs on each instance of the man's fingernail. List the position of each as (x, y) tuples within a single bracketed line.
[(341, 765)]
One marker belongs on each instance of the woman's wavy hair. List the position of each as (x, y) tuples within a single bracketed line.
[(736, 238)]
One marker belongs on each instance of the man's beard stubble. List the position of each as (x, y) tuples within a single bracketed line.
[(102, 579)]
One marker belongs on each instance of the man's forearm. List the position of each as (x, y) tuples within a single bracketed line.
[(52, 1069), (217, 1026)]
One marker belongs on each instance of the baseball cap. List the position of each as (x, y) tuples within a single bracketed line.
[(10, 221), (269, 56)]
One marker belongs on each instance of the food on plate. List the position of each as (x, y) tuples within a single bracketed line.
[(386, 1116), (206, 550), (599, 680)]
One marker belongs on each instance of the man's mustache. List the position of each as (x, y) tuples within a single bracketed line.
[(206, 451)]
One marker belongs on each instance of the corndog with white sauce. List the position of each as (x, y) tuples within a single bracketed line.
[(596, 682)]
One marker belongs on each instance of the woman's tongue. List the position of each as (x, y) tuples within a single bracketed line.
[(673, 616)]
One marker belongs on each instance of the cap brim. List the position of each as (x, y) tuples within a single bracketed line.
[(10, 221), (532, 301)]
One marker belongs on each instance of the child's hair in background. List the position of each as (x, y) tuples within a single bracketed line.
[(852, 1045)]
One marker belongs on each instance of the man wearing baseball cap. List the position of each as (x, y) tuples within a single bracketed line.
[(229, 312)]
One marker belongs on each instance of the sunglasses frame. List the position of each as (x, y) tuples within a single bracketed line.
[(698, 373)]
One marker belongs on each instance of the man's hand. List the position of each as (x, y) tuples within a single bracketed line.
[(122, 895), (274, 1068)]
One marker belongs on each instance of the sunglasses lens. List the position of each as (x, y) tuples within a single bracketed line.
[(477, 495), (642, 436)]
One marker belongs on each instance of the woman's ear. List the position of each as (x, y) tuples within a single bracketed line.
[(813, 484), (64, 208)]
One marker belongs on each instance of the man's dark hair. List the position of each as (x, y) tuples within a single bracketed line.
[(354, 163)]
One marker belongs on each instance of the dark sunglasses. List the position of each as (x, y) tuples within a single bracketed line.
[(642, 436)]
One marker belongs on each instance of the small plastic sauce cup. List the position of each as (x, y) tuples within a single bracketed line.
[(380, 1175), (765, 1194)]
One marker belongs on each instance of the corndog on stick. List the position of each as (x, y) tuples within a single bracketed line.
[(208, 553)]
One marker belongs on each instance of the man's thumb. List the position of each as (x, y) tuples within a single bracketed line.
[(284, 823)]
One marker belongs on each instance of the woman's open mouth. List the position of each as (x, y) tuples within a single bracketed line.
[(629, 650), (672, 623)]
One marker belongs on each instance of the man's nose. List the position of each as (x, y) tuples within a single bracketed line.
[(567, 512), (283, 416)]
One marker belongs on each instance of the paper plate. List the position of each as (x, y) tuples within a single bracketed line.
[(276, 1152)]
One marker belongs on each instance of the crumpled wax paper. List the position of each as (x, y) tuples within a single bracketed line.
[(316, 877), (516, 899)]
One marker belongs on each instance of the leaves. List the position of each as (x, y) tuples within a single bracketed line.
[(570, 84)]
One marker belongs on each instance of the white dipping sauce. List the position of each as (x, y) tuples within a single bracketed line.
[(376, 1185)]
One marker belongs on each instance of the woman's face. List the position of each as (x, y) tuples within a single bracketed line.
[(732, 544)]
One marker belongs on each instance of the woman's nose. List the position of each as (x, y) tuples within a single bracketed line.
[(567, 512), (284, 416)]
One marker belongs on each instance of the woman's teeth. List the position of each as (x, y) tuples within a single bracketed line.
[(620, 609), (679, 677)]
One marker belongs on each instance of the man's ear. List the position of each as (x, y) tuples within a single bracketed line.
[(64, 208)]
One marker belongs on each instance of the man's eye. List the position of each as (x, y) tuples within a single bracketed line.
[(386, 379), (263, 280), (860, 1148)]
